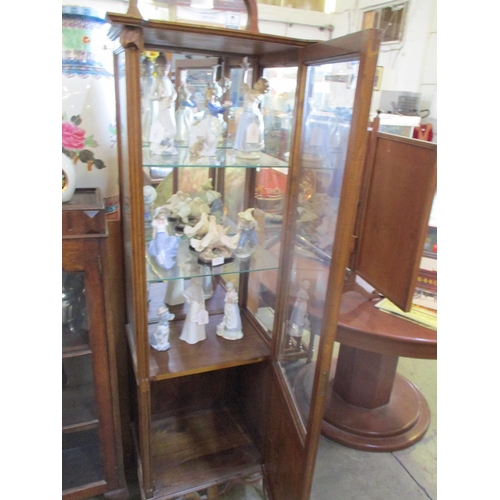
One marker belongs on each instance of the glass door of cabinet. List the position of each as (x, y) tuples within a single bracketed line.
[(335, 81), (82, 457), (88, 449)]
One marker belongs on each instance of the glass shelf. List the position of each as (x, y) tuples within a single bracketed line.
[(223, 158), (187, 265)]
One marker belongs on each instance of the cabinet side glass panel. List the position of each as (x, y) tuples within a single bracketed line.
[(328, 104), (270, 188)]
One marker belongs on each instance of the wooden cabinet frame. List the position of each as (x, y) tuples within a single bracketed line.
[(276, 438)]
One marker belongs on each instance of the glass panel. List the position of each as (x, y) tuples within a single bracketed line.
[(75, 335), (78, 392), (270, 188), (222, 13), (81, 459), (328, 107)]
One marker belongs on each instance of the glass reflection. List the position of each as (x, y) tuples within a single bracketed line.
[(327, 109)]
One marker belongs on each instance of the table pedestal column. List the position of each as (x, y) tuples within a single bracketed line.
[(369, 406)]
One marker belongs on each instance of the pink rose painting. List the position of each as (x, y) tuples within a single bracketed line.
[(75, 142)]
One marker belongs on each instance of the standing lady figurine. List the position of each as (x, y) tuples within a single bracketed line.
[(230, 328), (184, 115), (164, 94), (146, 85), (209, 132), (159, 338), (247, 227), (249, 139), (193, 330), (162, 248)]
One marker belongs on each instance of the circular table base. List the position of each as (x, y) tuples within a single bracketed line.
[(394, 426)]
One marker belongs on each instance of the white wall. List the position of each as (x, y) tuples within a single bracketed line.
[(409, 65)]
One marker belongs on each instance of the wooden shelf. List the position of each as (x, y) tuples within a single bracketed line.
[(75, 343), (214, 353), (196, 450)]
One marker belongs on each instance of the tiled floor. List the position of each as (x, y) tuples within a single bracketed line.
[(343, 473)]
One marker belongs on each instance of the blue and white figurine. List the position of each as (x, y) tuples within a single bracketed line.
[(159, 339), (208, 133), (247, 228), (249, 139), (162, 248)]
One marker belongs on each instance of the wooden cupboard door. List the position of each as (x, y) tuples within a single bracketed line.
[(335, 82), (400, 187)]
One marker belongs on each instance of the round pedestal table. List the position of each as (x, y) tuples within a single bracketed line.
[(369, 405)]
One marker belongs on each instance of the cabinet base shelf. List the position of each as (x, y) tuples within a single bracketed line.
[(198, 450)]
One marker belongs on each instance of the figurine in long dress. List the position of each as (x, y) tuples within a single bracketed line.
[(193, 330), (230, 327), (298, 318), (208, 133), (163, 93), (249, 139), (146, 85), (184, 116), (247, 228), (159, 339), (162, 248)]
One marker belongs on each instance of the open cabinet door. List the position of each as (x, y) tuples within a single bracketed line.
[(396, 205), (335, 83)]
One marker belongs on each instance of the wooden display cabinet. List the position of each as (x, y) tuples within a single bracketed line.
[(225, 410), (92, 462)]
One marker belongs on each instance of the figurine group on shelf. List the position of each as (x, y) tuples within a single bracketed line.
[(164, 128), (193, 329), (201, 225)]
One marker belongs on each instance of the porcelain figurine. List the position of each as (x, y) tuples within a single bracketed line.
[(230, 327), (184, 116), (247, 228), (149, 193), (190, 209), (323, 235), (216, 244), (163, 94), (193, 330), (159, 339), (162, 248), (208, 133), (213, 199), (146, 86), (298, 318), (200, 229), (249, 138), (173, 201), (174, 293)]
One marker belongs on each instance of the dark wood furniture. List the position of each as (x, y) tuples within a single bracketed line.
[(92, 461), (369, 406)]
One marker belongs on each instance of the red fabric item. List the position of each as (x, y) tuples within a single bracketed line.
[(423, 132)]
